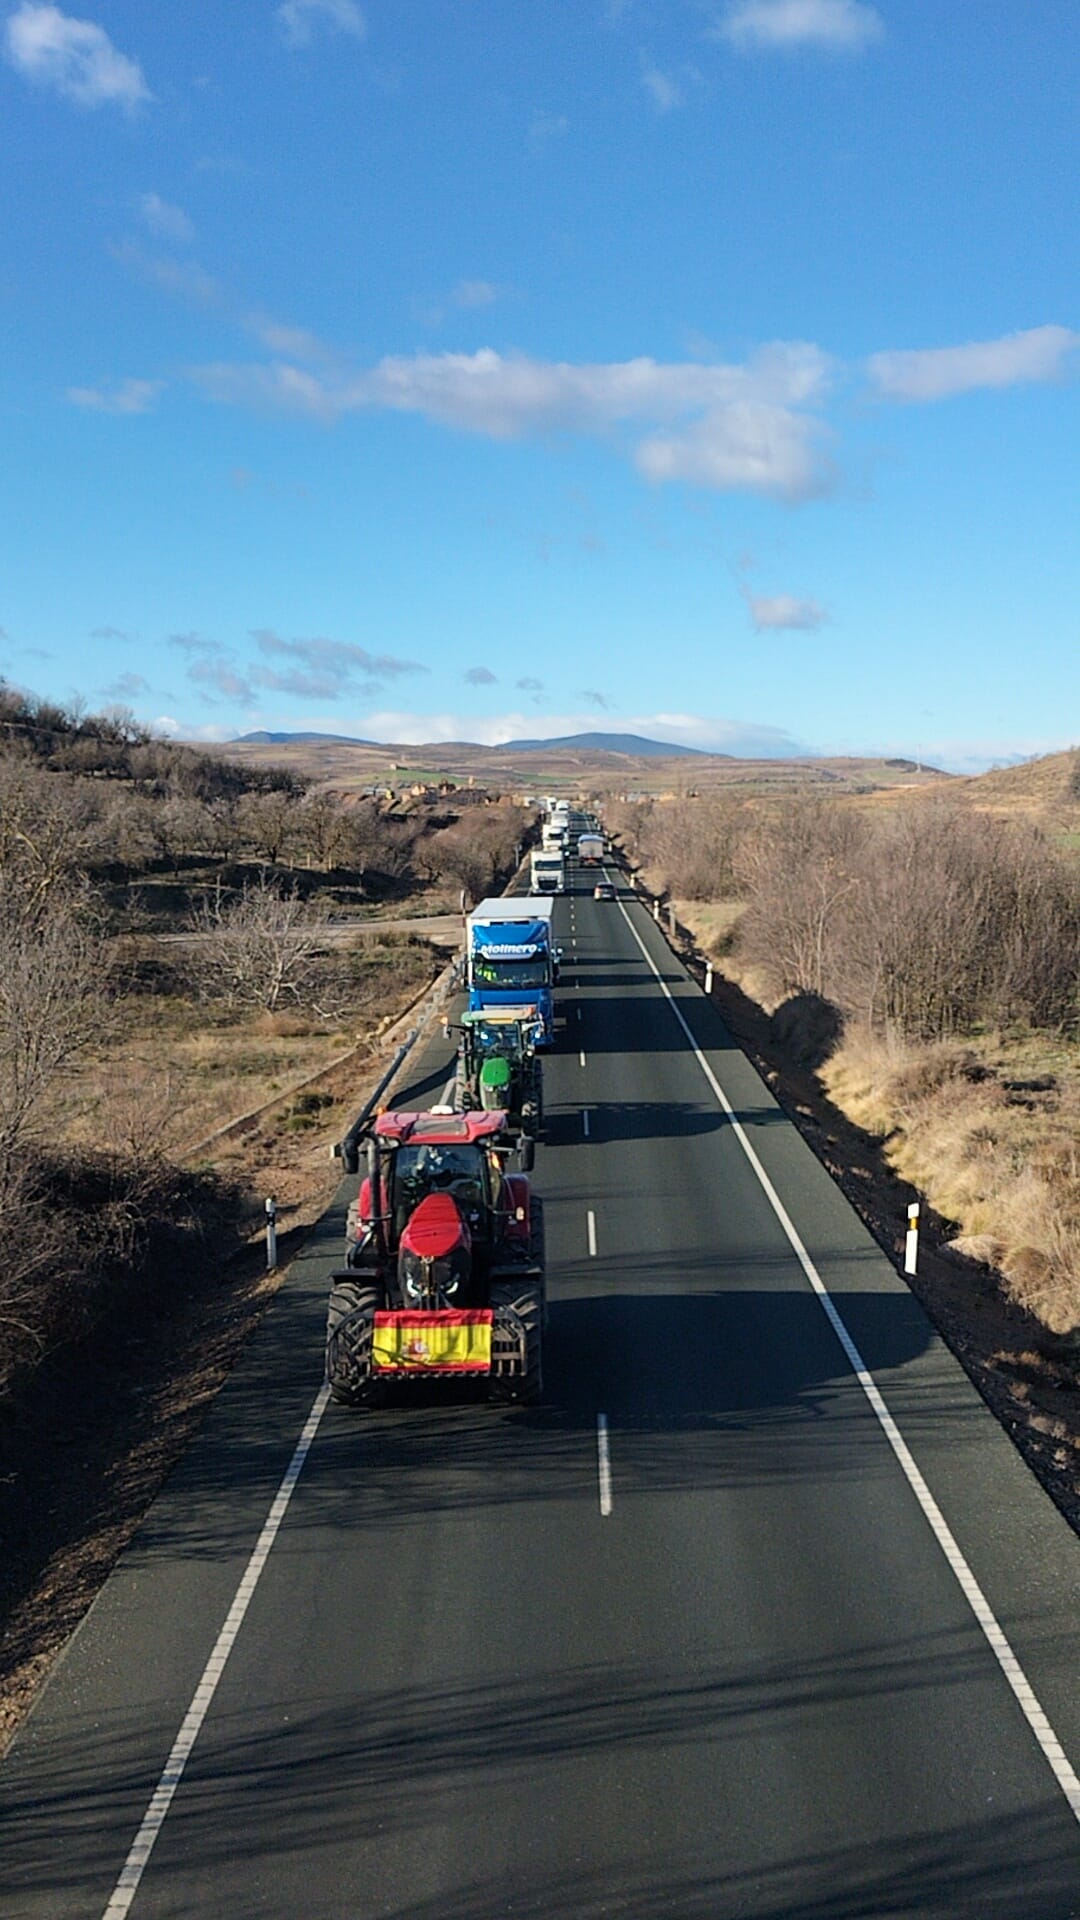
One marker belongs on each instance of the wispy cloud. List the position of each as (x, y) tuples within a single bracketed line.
[(528, 685), (727, 426), (784, 610), (596, 699), (470, 294), (75, 58), (167, 221), (292, 343), (121, 396), (301, 20), (481, 677), (844, 26), (936, 373), (664, 92), (185, 279), (548, 126), (127, 687), (211, 669), (108, 633), (322, 669)]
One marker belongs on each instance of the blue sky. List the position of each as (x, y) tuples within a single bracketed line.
[(431, 369)]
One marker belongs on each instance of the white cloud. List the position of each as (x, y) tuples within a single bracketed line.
[(936, 373), (74, 57), (843, 25), (784, 610), (300, 20), (664, 92), (123, 396), (481, 677), (736, 427), (749, 447), (170, 222)]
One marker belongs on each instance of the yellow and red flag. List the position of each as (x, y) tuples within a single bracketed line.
[(450, 1341)]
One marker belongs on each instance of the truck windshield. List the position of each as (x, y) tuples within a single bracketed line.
[(510, 973)]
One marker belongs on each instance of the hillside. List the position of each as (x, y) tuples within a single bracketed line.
[(344, 766), (635, 744)]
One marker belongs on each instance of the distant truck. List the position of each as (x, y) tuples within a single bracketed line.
[(590, 849), (512, 959), (547, 871)]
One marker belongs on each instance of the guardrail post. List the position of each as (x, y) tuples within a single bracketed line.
[(911, 1243), (271, 1233)]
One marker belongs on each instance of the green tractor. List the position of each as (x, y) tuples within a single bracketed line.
[(498, 1068)]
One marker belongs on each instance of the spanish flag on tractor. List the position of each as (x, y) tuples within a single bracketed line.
[(450, 1341)]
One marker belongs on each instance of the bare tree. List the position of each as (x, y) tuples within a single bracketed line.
[(52, 966), (257, 948)]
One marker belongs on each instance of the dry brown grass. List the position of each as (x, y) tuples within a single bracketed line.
[(173, 1070), (963, 1124)]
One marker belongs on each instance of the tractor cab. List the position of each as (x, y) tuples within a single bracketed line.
[(498, 1066)]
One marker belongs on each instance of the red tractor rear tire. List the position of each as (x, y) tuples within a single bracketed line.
[(350, 1325), (526, 1300)]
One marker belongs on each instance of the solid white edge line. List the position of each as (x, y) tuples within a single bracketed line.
[(994, 1633), (154, 1819), (603, 1464), (591, 1218)]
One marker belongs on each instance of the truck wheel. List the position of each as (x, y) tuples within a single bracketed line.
[(350, 1325), (521, 1389)]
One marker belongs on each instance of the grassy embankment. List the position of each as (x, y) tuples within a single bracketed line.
[(919, 952)]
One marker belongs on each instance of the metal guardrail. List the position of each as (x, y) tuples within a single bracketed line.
[(347, 1149)]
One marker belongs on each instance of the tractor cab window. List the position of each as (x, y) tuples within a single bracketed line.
[(457, 1168), (501, 1040)]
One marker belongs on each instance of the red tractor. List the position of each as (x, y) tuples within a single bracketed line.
[(445, 1262)]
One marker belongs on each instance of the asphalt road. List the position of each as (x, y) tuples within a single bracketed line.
[(683, 1641)]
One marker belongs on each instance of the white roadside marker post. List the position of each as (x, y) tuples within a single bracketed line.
[(671, 918), (708, 976), (911, 1244), (656, 909), (271, 1233)]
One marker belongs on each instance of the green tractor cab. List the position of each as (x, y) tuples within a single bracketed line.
[(498, 1067)]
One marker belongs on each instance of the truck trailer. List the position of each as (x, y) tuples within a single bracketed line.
[(547, 871), (512, 959)]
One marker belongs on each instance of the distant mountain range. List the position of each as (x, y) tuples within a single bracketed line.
[(633, 743), (302, 739)]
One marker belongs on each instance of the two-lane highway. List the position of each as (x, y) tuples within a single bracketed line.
[(700, 1636)]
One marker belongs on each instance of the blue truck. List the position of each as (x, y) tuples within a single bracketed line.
[(512, 959)]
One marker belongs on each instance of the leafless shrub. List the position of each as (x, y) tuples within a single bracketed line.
[(255, 949)]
